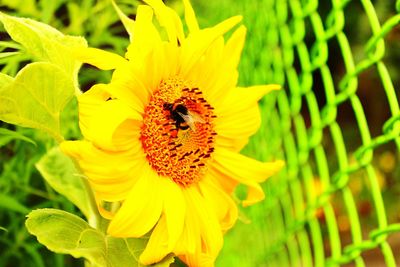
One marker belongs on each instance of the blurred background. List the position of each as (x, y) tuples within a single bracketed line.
[(336, 124)]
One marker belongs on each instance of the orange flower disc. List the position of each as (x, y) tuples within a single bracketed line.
[(175, 147)]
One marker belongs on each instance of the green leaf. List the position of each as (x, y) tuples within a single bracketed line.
[(7, 135), (35, 97), (10, 203), (63, 232), (125, 251), (66, 233), (44, 42), (60, 172)]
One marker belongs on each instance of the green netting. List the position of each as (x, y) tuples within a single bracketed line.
[(337, 125)]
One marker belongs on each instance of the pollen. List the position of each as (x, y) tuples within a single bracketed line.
[(177, 133)]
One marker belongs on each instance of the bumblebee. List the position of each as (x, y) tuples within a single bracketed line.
[(183, 118)]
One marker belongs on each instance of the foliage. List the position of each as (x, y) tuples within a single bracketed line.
[(23, 102)]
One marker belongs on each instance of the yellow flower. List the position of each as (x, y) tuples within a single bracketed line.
[(163, 137)]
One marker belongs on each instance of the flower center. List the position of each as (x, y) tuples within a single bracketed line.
[(177, 133)]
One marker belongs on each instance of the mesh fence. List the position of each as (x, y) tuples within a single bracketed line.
[(337, 125)]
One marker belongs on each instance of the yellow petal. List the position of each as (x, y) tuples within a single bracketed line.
[(127, 87), (216, 73), (245, 170), (111, 174), (212, 73), (248, 97), (234, 47), (109, 124), (89, 103), (190, 17), (197, 43), (169, 229), (227, 184), (217, 200), (135, 83), (190, 240), (200, 218), (118, 188), (152, 71), (141, 210), (235, 129), (157, 247), (238, 115), (172, 57), (168, 19), (174, 210), (99, 58), (144, 36)]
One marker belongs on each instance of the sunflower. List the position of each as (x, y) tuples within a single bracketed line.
[(162, 139)]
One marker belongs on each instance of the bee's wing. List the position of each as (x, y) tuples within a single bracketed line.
[(188, 119), (196, 117)]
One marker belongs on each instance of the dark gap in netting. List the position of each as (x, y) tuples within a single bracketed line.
[(299, 200), (293, 203), (373, 257), (324, 7), (308, 231), (386, 164), (384, 9), (330, 151), (393, 240), (305, 111), (374, 101), (392, 56), (309, 38), (351, 264), (360, 186), (356, 28), (296, 62), (319, 89), (290, 16), (62, 15), (348, 125), (315, 182), (322, 220), (341, 217), (336, 63)]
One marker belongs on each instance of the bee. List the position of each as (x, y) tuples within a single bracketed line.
[(183, 118)]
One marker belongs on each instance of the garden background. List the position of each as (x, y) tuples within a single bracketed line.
[(336, 124)]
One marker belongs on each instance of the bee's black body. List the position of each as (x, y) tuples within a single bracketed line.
[(174, 110)]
